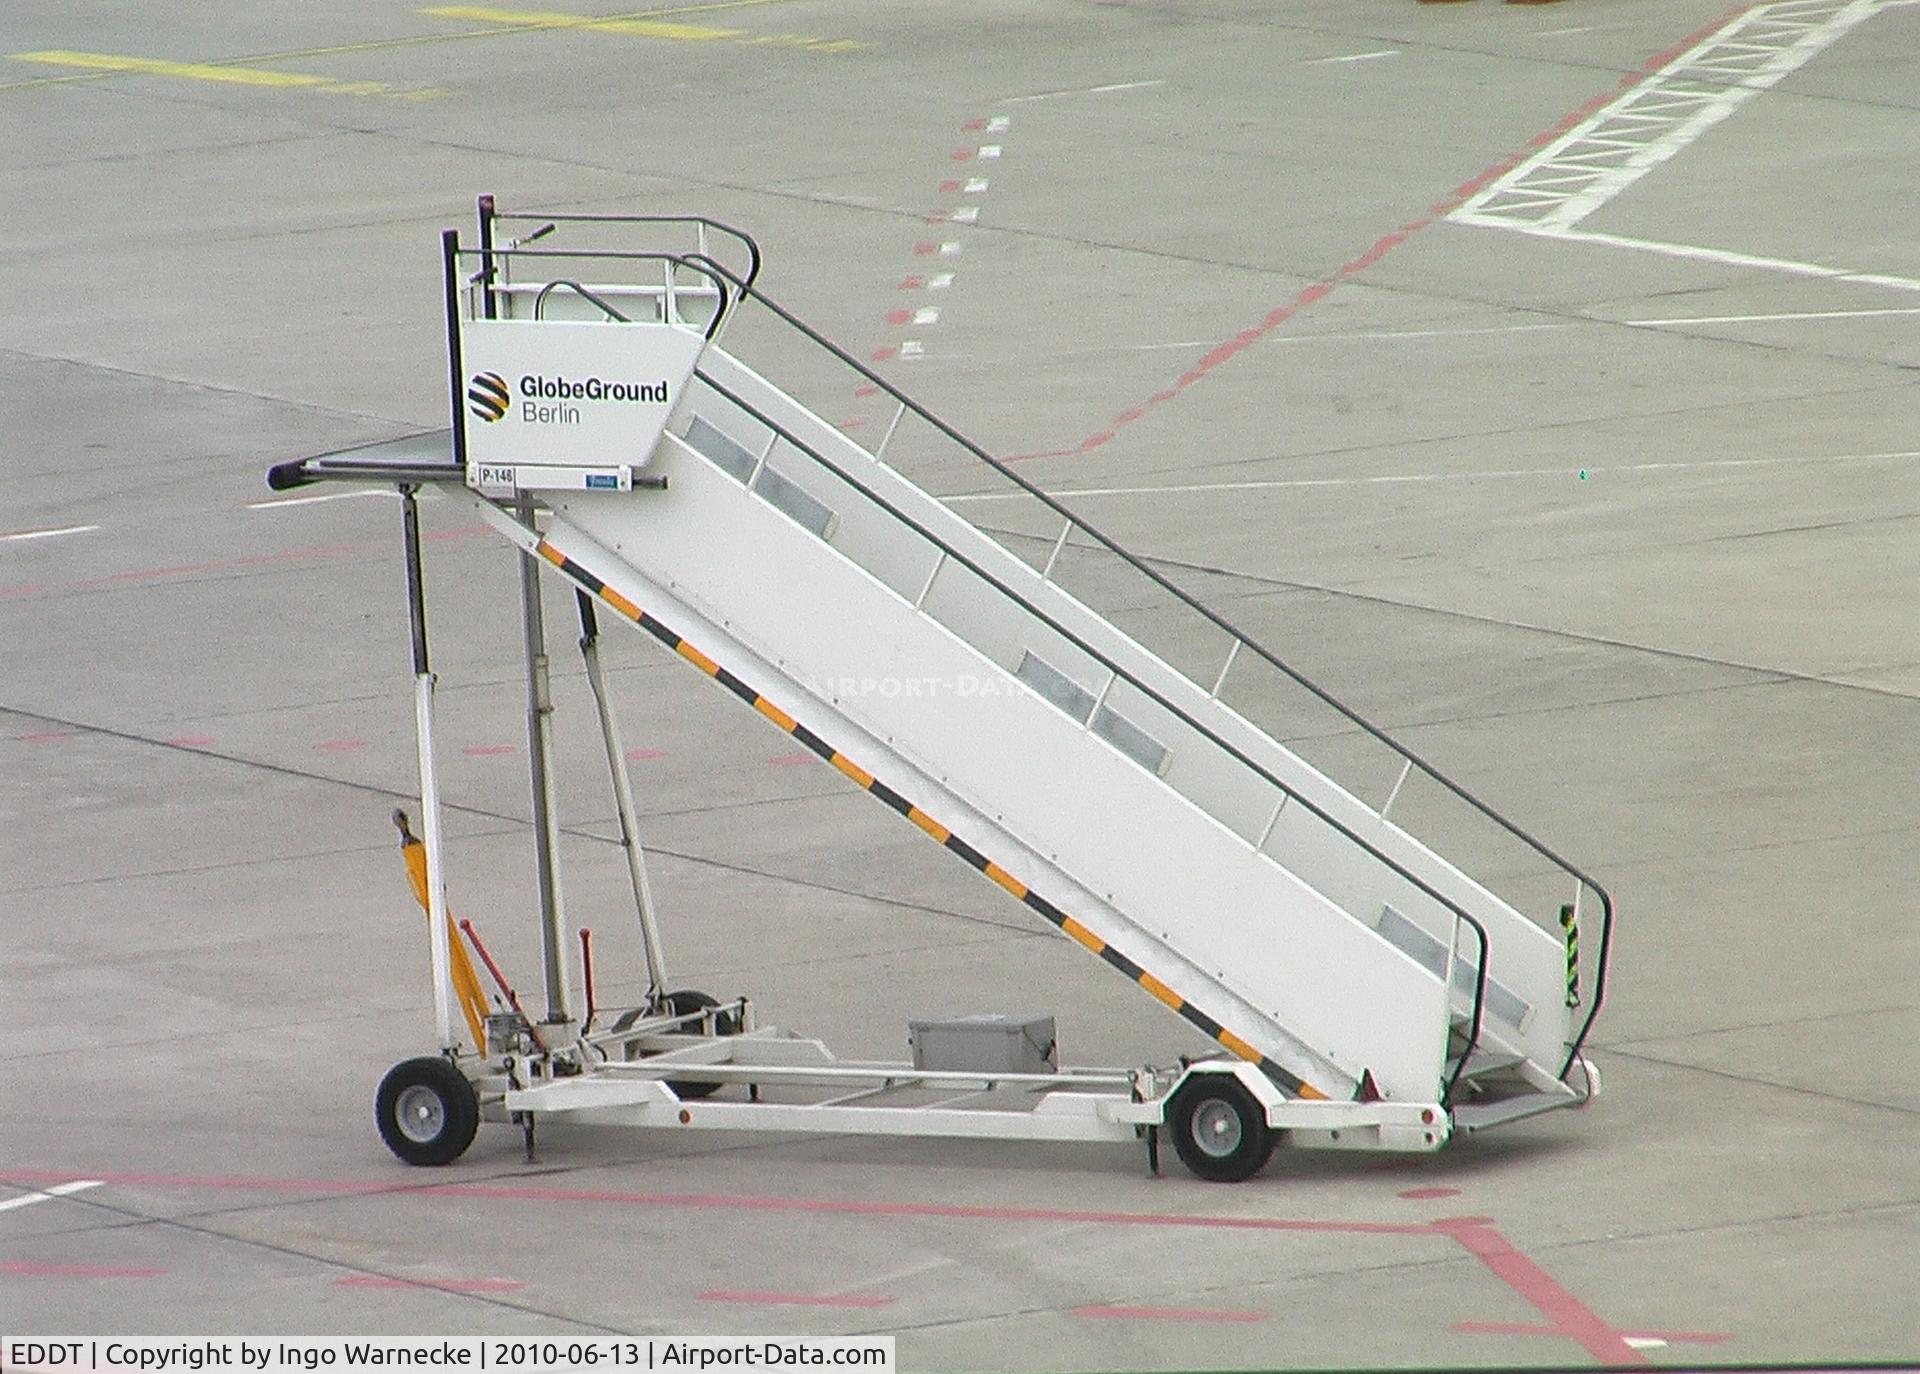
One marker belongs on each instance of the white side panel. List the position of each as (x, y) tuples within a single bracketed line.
[(1527, 958), (1164, 872)]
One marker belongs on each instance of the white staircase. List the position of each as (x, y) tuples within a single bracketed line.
[(1119, 798)]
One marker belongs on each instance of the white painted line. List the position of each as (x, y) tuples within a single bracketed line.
[(1645, 1342), (1695, 252), (1582, 28), (1564, 471), (912, 348), (998, 124), (965, 215), (975, 185), (1079, 90), (1356, 57), (1784, 315), (49, 1194), (940, 281), (927, 314), (25, 535), (989, 150), (315, 500), (950, 249)]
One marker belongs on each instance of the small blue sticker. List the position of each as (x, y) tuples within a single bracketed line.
[(602, 479)]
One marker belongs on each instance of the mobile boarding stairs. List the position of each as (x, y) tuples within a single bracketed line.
[(1362, 990)]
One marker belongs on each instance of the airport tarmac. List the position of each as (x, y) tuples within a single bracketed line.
[(1598, 490)]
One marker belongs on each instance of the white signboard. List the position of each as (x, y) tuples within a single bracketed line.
[(568, 394)]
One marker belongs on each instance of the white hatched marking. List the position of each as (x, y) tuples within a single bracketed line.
[(1672, 108)]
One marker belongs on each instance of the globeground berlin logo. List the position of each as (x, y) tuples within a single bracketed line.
[(544, 399), (488, 397)]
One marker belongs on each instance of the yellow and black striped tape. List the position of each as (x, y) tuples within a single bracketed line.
[(1290, 1082)]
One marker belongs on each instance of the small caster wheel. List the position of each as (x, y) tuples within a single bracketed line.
[(683, 1003), (1219, 1131), (427, 1111)]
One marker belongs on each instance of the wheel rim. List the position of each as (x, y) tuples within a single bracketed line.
[(1217, 1129), (420, 1114)]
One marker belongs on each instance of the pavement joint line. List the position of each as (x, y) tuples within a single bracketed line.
[(577, 831), (1230, 348), (49, 1194), (1784, 675), (1752, 1081)]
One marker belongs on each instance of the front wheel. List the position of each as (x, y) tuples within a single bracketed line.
[(427, 1111), (1219, 1130)]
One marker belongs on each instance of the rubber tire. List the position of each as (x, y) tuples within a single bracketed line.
[(1255, 1146), (459, 1107), (689, 1000)]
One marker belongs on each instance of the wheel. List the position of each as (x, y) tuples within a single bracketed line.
[(427, 1111), (1219, 1130), (725, 1023)]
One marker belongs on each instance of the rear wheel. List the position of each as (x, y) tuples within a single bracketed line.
[(1219, 1129), (427, 1111), (685, 1003)]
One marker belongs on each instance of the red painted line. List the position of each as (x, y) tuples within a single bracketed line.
[(1527, 1329), (721, 1202), (75, 1271), (1420, 1194), (1167, 1314), (338, 746), (864, 390), (192, 741), (639, 755), (852, 422), (887, 354), (902, 316), (951, 186), (1568, 1315), (790, 760), (44, 736), (791, 1299), (1379, 249), (964, 154), (444, 1285), (974, 126), (925, 249), (488, 750)]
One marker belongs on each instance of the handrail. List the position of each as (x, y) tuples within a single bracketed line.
[(747, 291), (740, 236), (696, 262), (1120, 673)]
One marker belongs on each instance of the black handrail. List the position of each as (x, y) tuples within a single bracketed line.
[(1121, 673), (747, 291), (739, 235), (695, 262)]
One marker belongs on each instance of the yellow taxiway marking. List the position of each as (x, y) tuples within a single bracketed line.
[(409, 41), (648, 26), (113, 63)]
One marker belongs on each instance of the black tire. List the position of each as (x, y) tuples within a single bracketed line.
[(1219, 1130), (724, 1023), (427, 1111)]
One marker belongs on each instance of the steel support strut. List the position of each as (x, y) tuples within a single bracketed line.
[(429, 777), (546, 830), (622, 800)]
